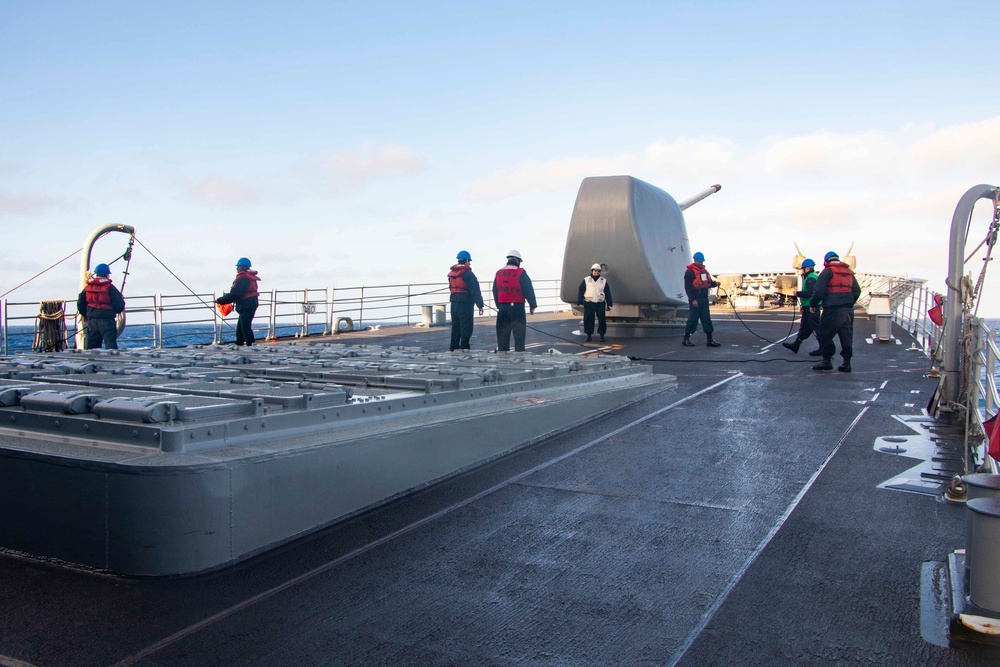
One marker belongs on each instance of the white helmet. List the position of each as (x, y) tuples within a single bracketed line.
[(513, 253), (596, 267)]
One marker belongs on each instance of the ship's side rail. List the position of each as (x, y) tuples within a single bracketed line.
[(983, 399), (173, 320), (982, 355)]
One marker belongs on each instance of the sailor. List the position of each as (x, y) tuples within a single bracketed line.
[(809, 323), (243, 295), (99, 303), (838, 290), (465, 292), (511, 288), (595, 297), (697, 282)]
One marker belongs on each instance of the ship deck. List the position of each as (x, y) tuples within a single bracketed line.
[(739, 517)]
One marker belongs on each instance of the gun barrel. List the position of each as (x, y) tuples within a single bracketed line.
[(698, 197)]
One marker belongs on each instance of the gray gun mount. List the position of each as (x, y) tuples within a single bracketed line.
[(637, 232)]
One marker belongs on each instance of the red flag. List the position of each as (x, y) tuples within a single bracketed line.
[(991, 429), (935, 312)]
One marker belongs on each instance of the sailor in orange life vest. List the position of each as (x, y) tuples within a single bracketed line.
[(99, 303), (243, 295), (697, 282), (511, 288), (465, 292), (595, 297), (838, 290)]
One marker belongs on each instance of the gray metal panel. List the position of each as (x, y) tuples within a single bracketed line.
[(637, 231), (166, 522), (52, 510)]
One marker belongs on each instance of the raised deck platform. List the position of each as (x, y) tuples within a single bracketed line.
[(152, 463)]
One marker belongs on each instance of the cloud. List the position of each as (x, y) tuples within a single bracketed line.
[(534, 176), (967, 143), (350, 170), (27, 203), (677, 162), (826, 155), (222, 192)]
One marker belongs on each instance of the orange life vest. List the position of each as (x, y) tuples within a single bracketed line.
[(456, 281), (97, 294), (702, 278), (842, 279), (252, 289), (508, 283)]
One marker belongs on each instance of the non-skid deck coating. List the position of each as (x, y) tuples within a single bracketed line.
[(735, 519)]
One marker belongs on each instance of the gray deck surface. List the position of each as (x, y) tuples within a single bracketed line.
[(733, 520)]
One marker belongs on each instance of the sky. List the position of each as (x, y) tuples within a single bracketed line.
[(342, 144)]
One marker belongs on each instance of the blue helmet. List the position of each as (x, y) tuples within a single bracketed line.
[(102, 270), (830, 255), (243, 261), (698, 257), (807, 263), (464, 254)]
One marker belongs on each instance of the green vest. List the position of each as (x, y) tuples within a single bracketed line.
[(813, 276)]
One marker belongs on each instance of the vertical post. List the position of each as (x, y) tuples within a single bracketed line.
[(3, 326), (361, 309), (991, 362), (157, 321), (272, 317), (333, 305), (217, 321), (305, 313), (408, 305), (951, 377)]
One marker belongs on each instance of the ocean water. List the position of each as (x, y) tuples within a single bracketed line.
[(21, 338)]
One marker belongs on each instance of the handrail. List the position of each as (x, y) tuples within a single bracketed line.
[(159, 320)]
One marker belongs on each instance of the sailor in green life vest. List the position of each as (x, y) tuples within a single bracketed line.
[(810, 315)]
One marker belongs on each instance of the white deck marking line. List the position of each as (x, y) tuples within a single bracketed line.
[(884, 384), (768, 347), (875, 397), (260, 597), (711, 611), (7, 661)]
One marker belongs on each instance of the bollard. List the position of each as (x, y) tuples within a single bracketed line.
[(440, 316), (978, 485), (426, 315), (984, 576)]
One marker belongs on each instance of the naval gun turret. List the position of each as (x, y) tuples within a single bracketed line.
[(636, 231)]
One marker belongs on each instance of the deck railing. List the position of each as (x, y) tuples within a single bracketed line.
[(171, 320), (979, 364)]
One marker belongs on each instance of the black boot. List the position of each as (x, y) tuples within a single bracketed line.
[(687, 341), (815, 353), (711, 342), (824, 365), (588, 338), (845, 367), (794, 347)]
